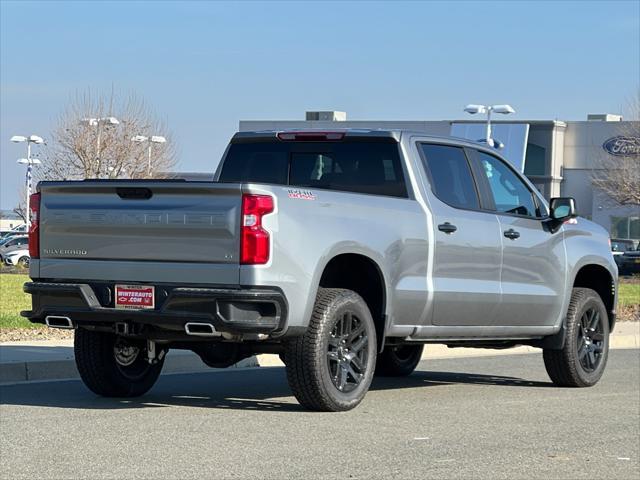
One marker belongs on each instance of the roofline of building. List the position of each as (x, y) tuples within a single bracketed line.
[(559, 123)]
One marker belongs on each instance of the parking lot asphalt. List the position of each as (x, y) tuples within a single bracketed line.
[(483, 417)]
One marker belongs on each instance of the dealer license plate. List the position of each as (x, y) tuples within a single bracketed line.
[(135, 296)]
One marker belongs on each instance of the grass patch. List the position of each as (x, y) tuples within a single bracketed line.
[(629, 293), (12, 300)]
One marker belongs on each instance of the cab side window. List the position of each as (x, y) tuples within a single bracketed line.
[(510, 193)]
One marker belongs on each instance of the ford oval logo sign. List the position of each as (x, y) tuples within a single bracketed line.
[(622, 146)]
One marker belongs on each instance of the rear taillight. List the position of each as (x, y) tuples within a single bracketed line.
[(34, 226), (254, 240)]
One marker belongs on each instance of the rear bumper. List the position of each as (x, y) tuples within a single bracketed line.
[(229, 310)]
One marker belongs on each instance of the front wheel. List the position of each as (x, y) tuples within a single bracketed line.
[(331, 366), (113, 366), (582, 360)]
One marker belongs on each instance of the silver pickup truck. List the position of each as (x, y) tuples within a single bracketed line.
[(344, 252)]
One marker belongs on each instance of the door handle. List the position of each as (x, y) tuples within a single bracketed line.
[(512, 234), (446, 227)]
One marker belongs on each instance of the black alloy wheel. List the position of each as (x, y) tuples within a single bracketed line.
[(590, 340), (348, 349)]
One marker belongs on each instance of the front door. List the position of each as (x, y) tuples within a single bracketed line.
[(533, 260)]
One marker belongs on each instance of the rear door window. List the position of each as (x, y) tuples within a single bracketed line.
[(359, 166), (450, 175)]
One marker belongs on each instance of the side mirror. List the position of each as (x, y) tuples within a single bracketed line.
[(563, 208)]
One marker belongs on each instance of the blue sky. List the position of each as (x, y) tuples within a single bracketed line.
[(204, 66)]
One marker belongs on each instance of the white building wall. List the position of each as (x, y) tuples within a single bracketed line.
[(604, 209), (583, 156), (583, 142)]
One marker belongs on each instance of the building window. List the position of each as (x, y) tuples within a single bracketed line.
[(534, 160), (625, 227)]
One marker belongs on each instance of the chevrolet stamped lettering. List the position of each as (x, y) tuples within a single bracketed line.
[(65, 252), (343, 252), (140, 218)]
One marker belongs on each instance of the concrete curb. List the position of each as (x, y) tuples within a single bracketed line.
[(186, 362)]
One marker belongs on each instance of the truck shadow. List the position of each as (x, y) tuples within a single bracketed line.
[(263, 389)]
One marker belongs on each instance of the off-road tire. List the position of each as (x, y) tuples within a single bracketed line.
[(564, 366), (101, 373), (398, 361), (307, 357)]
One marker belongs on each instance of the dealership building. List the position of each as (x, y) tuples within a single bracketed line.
[(559, 157)]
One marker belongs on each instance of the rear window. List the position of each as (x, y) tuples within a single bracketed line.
[(371, 167)]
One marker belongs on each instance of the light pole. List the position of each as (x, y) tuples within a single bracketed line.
[(503, 109), (98, 122), (153, 139), (29, 162)]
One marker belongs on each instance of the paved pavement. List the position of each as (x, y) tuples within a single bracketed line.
[(483, 417)]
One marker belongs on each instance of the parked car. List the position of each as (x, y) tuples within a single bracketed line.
[(345, 252), (13, 243), (17, 258), (629, 262), (619, 246), (8, 237), (17, 230)]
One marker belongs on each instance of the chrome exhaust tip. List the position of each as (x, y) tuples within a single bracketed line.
[(55, 321), (199, 329)]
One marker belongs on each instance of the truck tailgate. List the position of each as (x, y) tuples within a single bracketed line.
[(140, 231)]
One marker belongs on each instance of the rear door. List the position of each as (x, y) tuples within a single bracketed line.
[(533, 262), (162, 231), (466, 272)]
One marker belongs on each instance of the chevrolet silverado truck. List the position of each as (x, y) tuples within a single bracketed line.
[(344, 252)]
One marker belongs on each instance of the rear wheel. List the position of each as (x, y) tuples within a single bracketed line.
[(331, 366), (399, 361), (582, 360), (113, 366)]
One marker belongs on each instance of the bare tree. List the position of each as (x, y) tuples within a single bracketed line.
[(619, 177), (21, 208), (79, 150)]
